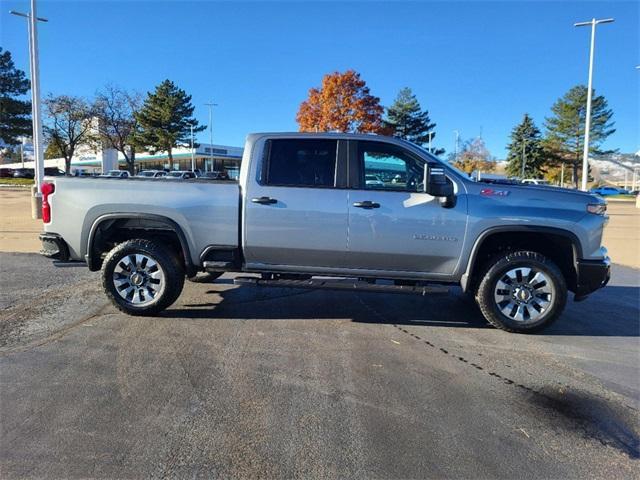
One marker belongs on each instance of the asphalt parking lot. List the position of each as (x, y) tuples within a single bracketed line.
[(246, 382)]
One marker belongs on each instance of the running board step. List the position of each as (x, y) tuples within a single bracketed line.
[(212, 266), (342, 284)]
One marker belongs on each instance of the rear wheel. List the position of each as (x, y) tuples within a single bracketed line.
[(522, 292), (141, 277)]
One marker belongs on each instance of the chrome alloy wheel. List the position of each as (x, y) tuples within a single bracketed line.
[(139, 279), (524, 294)]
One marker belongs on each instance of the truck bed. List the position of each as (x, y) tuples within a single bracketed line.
[(207, 211)]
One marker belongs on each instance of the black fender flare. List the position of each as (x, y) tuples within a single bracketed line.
[(90, 256), (575, 242)]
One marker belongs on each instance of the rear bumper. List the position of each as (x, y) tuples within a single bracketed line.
[(53, 246), (591, 276)]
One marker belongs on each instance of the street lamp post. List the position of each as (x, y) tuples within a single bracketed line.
[(211, 105), (524, 160), (585, 155), (34, 69), (193, 158), (22, 139), (455, 156)]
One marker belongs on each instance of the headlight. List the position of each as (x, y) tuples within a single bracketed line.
[(597, 208)]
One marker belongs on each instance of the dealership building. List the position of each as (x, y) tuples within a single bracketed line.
[(206, 157)]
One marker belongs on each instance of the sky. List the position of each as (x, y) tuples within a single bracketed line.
[(476, 66)]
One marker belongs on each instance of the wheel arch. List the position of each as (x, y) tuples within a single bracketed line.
[(557, 242), (147, 222)]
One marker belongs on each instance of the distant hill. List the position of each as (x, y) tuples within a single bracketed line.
[(613, 168)]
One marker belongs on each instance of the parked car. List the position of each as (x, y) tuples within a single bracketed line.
[(23, 173), (180, 175), (215, 175), (53, 172), (151, 173), (115, 174), (535, 181), (302, 210), (6, 172), (373, 181), (604, 191)]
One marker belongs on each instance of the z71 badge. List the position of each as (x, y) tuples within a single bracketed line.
[(490, 192)]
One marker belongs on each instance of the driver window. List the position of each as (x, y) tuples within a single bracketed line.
[(387, 167)]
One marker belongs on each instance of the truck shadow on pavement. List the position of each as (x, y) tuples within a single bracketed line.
[(613, 312)]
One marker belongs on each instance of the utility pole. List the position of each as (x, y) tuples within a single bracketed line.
[(585, 155), (524, 159), (626, 176), (22, 151), (211, 105), (562, 175), (455, 156), (193, 159), (34, 68)]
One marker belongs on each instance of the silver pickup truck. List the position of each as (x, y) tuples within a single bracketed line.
[(355, 212)]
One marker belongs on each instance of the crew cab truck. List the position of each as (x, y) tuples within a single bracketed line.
[(303, 215)]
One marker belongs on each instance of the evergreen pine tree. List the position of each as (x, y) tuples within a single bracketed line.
[(165, 119), (15, 114), (525, 141), (565, 129), (406, 119)]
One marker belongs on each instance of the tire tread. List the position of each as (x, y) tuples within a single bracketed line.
[(174, 275), (484, 293)]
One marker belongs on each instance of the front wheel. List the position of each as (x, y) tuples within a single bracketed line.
[(522, 292), (141, 277)]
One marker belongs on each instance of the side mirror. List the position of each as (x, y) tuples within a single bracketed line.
[(436, 183)]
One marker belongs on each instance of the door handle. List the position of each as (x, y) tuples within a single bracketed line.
[(264, 200), (366, 204)]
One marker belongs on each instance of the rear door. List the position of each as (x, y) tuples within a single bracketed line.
[(295, 209), (393, 225)]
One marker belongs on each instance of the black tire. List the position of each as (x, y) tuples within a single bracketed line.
[(543, 304), (205, 277), (169, 270)]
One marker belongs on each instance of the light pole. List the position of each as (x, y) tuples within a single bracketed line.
[(456, 146), (34, 68), (22, 139), (585, 155), (193, 159), (524, 159), (211, 105)]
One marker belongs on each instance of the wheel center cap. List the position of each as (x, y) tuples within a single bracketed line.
[(137, 279), (523, 294)]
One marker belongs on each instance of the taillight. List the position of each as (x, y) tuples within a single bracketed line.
[(47, 189)]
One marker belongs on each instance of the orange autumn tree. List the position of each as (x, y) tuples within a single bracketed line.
[(342, 104)]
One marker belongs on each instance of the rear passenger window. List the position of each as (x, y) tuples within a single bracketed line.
[(302, 163)]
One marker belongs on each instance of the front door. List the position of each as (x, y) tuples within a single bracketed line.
[(296, 211), (393, 225)]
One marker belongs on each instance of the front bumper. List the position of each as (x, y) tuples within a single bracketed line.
[(591, 276), (53, 246)]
